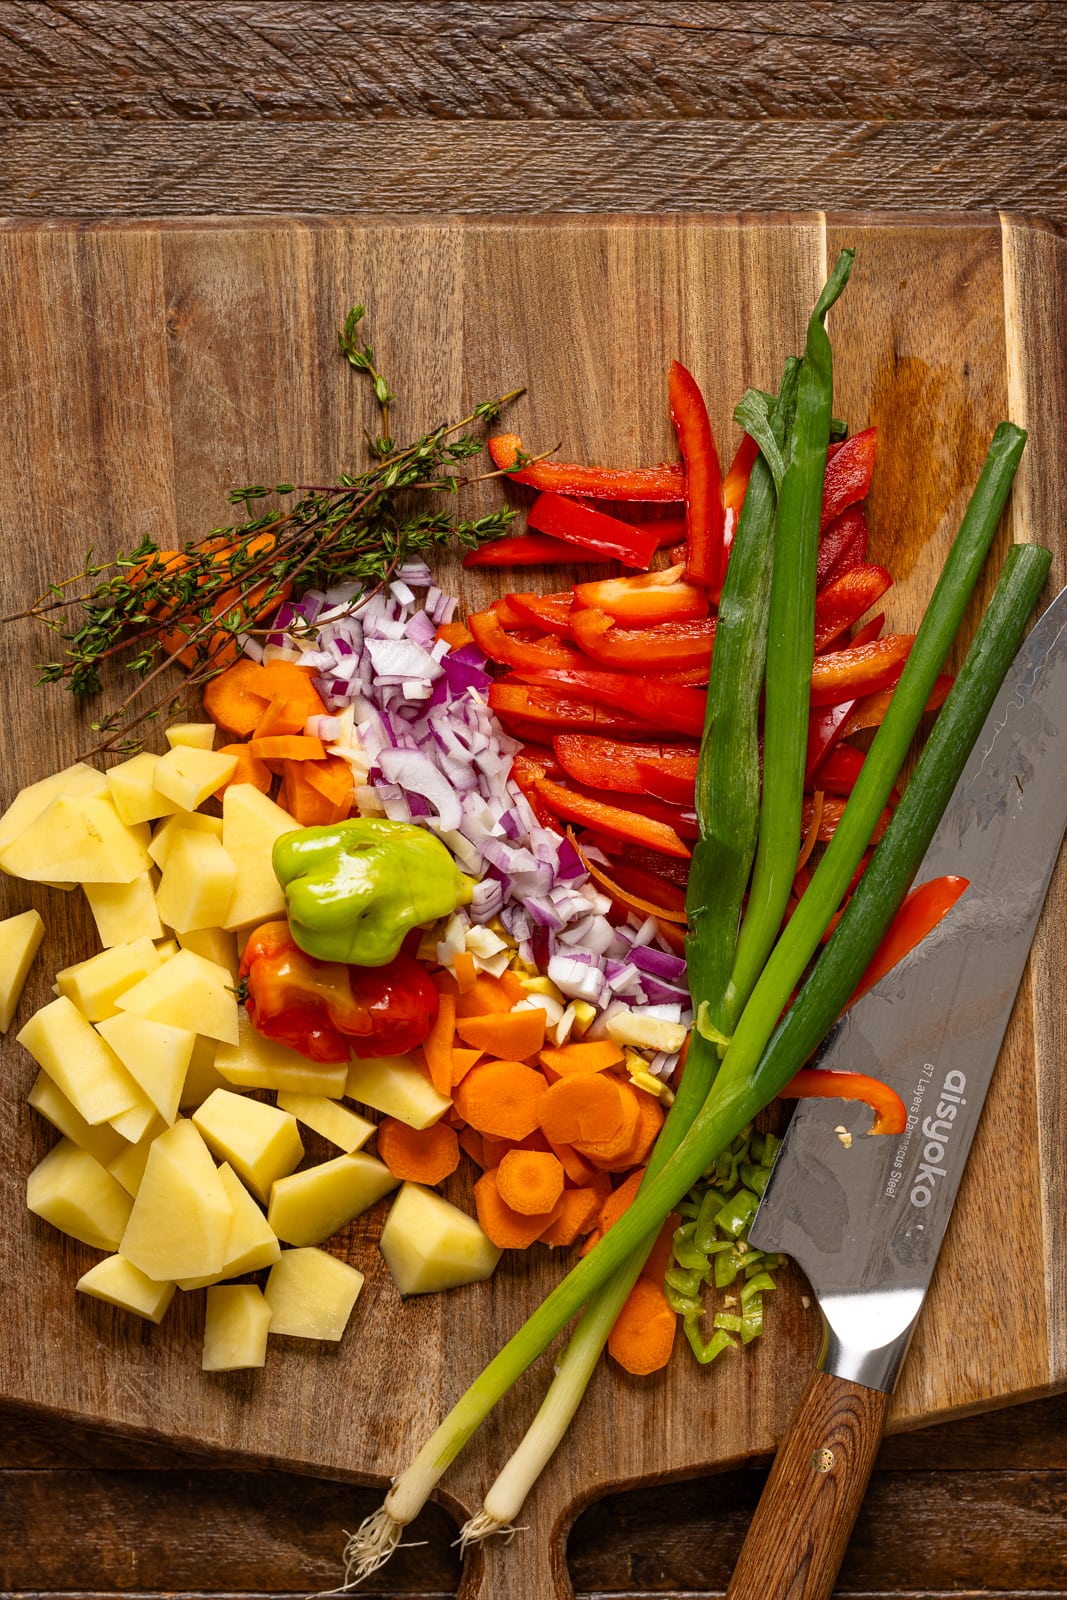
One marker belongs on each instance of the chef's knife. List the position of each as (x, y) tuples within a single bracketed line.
[(865, 1216)]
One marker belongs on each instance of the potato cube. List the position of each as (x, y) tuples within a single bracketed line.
[(120, 1283), (201, 735), (100, 1140), (155, 1054), (184, 822), (307, 1207), (395, 1086), (166, 948), (20, 937), (78, 839), (202, 1078), (252, 1242), (75, 1194), (187, 992), (235, 1328), (311, 1294), (250, 824), (335, 1123), (95, 984), (129, 1164), (133, 790), (214, 944), (197, 882), (79, 1062), (190, 776), (124, 912), (29, 803), (180, 1221), (258, 1063), (141, 1121), (429, 1244), (260, 1142)]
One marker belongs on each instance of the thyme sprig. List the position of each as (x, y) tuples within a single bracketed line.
[(215, 591)]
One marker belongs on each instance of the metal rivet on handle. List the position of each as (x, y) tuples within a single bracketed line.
[(822, 1461)]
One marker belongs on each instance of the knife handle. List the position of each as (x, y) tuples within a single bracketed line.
[(797, 1539)]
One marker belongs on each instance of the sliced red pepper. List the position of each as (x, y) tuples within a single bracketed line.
[(841, 545), (919, 914), (672, 868), (825, 727), (859, 670), (618, 764), (638, 889), (530, 550), (848, 474), (610, 537), (837, 772), (735, 487), (550, 612), (615, 821), (530, 711), (675, 782), (641, 602), (507, 614), (703, 479), (843, 601), (833, 809), (665, 644), (890, 1114), (665, 530), (515, 649), (683, 819), (869, 712), (661, 484), (661, 704)]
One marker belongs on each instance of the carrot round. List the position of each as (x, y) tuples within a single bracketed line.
[(530, 1181), (508, 1229), (515, 1035), (500, 1098), (437, 1046), (622, 1153), (237, 698), (421, 1155), (577, 1215), (585, 1106), (482, 997), (248, 770), (587, 1055), (619, 1199), (643, 1336), (288, 747)]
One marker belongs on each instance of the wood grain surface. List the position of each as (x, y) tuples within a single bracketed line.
[(131, 403)]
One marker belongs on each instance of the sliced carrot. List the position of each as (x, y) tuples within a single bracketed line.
[(591, 1055), (643, 1336), (486, 994), (512, 986), (462, 1062), (645, 1131), (437, 1046), (584, 1106), (421, 1155), (510, 1230), (662, 1253), (247, 770), (294, 683), (304, 803), (237, 698), (579, 1171), (501, 1098), (530, 1181), (497, 1149), (577, 1215), (470, 1142), (619, 1199), (612, 1151), (332, 777), (465, 970), (288, 747), (513, 1035), (283, 715)]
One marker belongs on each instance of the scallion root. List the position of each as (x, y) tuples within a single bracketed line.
[(484, 1526), (371, 1546)]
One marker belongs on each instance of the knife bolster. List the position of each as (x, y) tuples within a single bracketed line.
[(866, 1336)]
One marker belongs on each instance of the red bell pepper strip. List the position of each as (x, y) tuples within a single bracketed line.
[(848, 474), (665, 530), (683, 819), (324, 1009), (531, 712), (837, 772), (842, 545), (831, 812), (703, 479), (672, 868), (530, 550), (640, 602), (661, 484), (609, 537), (636, 888), (676, 782), (508, 616), (920, 912), (890, 1114), (859, 670), (735, 487), (665, 644), (550, 612), (517, 649), (621, 764), (870, 710), (615, 821), (661, 704), (825, 727), (843, 601)]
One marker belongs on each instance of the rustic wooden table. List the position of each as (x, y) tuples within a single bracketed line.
[(220, 106)]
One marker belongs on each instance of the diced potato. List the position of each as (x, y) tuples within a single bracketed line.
[(100, 1140), (20, 938), (94, 985), (141, 1121), (395, 1086), (429, 1244), (124, 912), (155, 1054), (166, 948), (260, 1142), (79, 1062), (129, 1164), (78, 839), (335, 1123), (235, 1328), (306, 1207), (259, 1063), (184, 821), (202, 1077), (214, 944), (250, 824), (311, 1294), (120, 1283), (201, 735), (189, 775), (75, 1194), (187, 992), (252, 1242), (180, 1222), (29, 803), (197, 882), (132, 785)]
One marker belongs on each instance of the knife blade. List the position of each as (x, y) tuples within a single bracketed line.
[(865, 1217)]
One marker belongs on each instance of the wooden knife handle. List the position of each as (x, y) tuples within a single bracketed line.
[(809, 1506)]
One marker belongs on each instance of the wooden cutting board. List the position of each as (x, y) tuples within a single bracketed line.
[(145, 369)]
